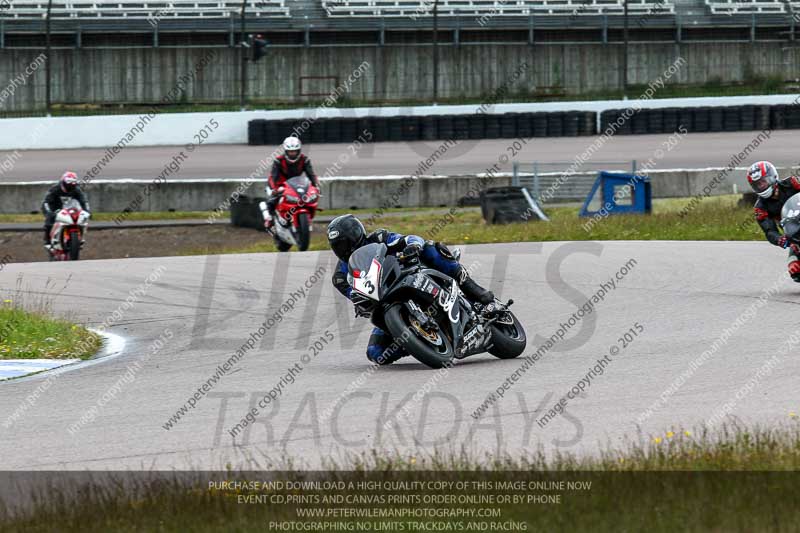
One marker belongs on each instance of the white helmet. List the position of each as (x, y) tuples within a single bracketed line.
[(291, 148)]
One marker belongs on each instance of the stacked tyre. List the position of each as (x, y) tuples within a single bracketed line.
[(526, 125)]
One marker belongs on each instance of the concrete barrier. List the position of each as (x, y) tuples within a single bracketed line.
[(177, 129), (207, 195), (338, 193)]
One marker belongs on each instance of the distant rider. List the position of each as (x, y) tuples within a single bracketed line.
[(772, 193), (67, 188), (292, 163), (346, 234)]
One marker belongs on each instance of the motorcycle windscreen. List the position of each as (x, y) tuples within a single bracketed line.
[(68, 202), (299, 183), (790, 218), (364, 270)]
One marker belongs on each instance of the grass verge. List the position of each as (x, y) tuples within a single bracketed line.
[(735, 479), (714, 219), (33, 335)]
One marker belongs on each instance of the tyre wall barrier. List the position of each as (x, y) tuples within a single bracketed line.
[(504, 205), (425, 128), (701, 119), (246, 213), (172, 129)]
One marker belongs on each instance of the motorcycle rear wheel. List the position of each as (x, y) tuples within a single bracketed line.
[(411, 338)]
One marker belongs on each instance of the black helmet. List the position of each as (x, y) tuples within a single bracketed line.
[(345, 235)]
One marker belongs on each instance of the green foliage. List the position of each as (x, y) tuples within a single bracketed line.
[(730, 479), (718, 218), (33, 335)]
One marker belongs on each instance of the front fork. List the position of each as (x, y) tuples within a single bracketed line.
[(422, 317)]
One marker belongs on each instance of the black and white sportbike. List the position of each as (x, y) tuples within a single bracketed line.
[(426, 312)]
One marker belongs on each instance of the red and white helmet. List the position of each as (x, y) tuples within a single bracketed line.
[(291, 148), (763, 178), (69, 181)]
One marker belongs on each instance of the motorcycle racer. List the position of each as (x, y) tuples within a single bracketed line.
[(292, 163), (772, 193), (67, 187), (346, 234)]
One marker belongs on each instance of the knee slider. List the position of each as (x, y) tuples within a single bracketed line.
[(445, 251)]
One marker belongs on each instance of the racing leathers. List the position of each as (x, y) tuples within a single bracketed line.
[(381, 349), (282, 170), (54, 202), (768, 214)]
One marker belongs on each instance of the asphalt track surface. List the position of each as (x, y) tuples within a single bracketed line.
[(698, 150), (684, 295)]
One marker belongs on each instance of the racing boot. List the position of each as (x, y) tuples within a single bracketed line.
[(268, 212), (269, 222), (472, 290)]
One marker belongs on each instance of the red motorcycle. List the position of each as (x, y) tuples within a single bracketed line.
[(294, 213), (67, 235)]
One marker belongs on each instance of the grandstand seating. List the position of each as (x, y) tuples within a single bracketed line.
[(490, 8), (742, 7), (143, 9)]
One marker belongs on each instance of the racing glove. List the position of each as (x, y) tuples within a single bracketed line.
[(783, 241), (410, 253)]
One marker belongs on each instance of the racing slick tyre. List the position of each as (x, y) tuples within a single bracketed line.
[(74, 248), (303, 232), (508, 338), (433, 349)]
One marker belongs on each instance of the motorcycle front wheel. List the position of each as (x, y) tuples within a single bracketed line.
[(508, 337), (431, 348), (303, 232), (74, 248)]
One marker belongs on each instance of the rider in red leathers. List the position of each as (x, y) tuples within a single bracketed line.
[(772, 193), (292, 163)]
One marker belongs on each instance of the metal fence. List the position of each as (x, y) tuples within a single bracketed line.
[(563, 181)]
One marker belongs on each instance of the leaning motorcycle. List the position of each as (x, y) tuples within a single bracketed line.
[(69, 232), (426, 312), (790, 218), (294, 213)]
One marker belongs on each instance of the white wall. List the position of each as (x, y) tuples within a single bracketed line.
[(179, 128)]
